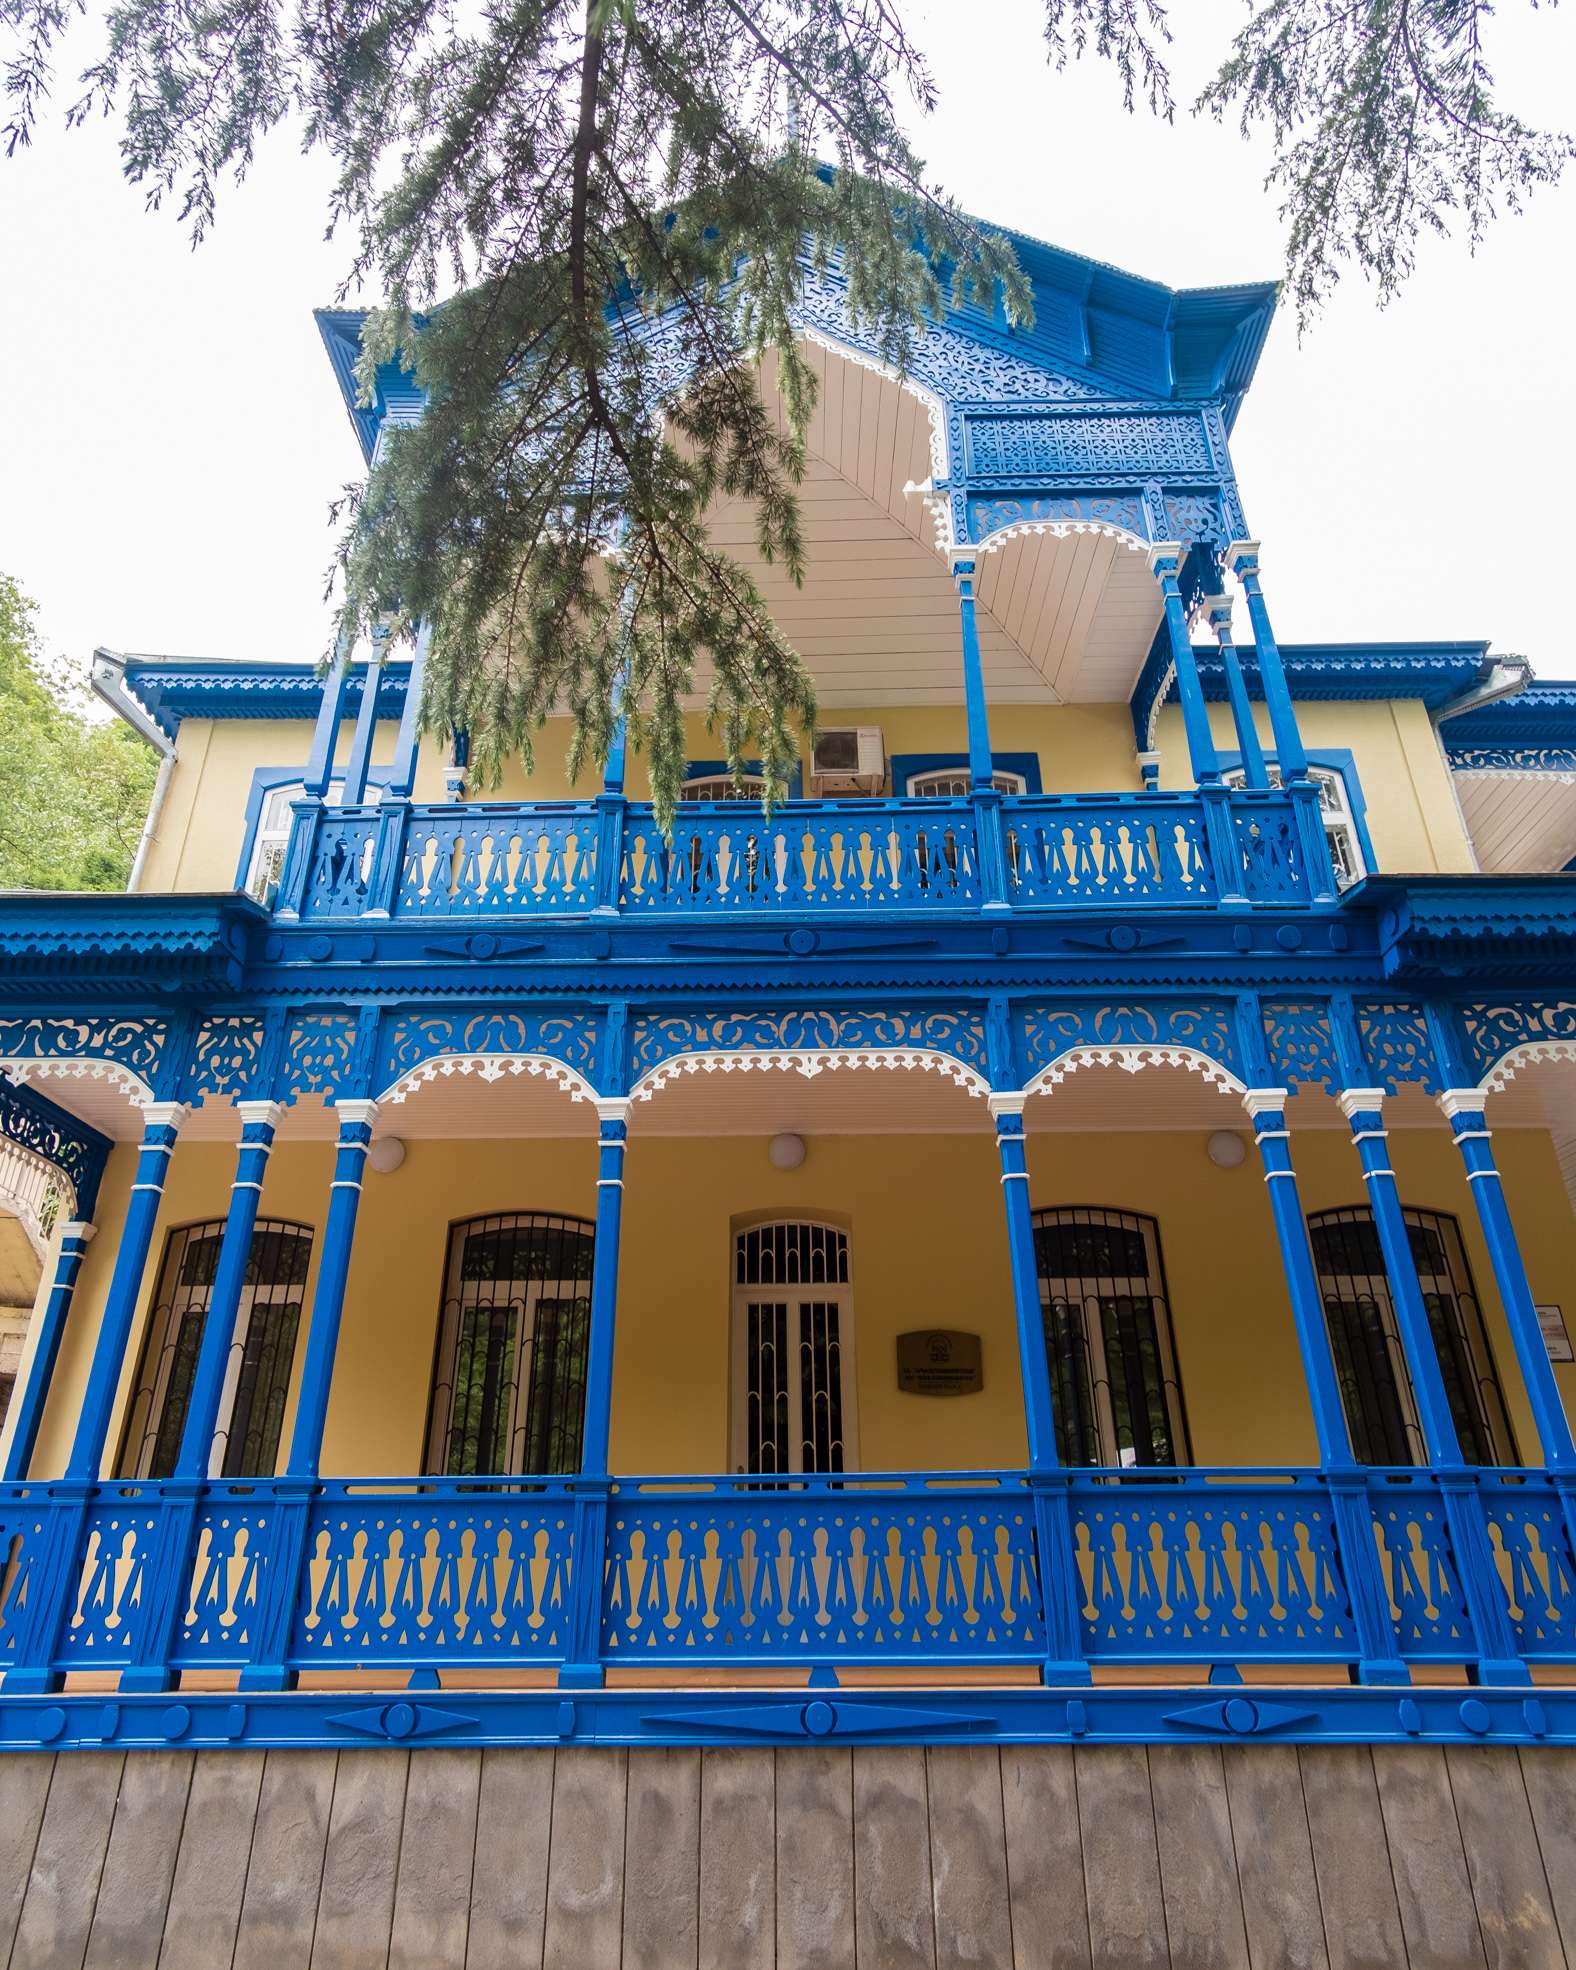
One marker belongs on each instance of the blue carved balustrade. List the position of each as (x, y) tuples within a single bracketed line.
[(728, 859), (1194, 1568)]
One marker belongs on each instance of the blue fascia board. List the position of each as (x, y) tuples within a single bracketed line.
[(340, 329), (1433, 672), (172, 688), (1542, 714), (1483, 928), (102, 942)]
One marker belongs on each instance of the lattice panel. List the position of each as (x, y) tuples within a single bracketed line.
[(1100, 445)]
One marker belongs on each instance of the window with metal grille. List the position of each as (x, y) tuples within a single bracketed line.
[(1108, 1340), (1335, 810), (953, 783), (792, 1344), (257, 1371), (1376, 1386), (274, 822), (509, 1385), (723, 786)]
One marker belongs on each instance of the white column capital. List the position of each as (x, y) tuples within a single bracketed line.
[(80, 1229), (1361, 1101), (1164, 550), (259, 1114), (164, 1114), (1462, 1101), (612, 1107), (364, 1113), (1006, 1101), (1241, 550), (1264, 1101)]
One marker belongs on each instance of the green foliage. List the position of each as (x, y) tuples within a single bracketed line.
[(569, 169), (73, 789)]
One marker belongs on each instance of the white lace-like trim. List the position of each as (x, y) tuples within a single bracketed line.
[(1133, 1060), (1062, 530), (77, 1069), (809, 1063), (491, 1067), (1528, 1054)]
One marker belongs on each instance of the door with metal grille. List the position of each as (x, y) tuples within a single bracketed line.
[(257, 1369), (509, 1386), (792, 1350), (1370, 1363), (1108, 1338)]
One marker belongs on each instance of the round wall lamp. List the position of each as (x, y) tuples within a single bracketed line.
[(787, 1152), (1226, 1149), (386, 1155)]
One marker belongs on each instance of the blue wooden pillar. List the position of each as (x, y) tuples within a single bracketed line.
[(401, 782), (1497, 1661), (1165, 563), (1049, 1480), (982, 790), (388, 855), (54, 1578), (583, 1667), (28, 1411), (611, 807), (1463, 1108), (168, 1581), (1379, 1658), (359, 764), (315, 781), (279, 1588), (1254, 771)]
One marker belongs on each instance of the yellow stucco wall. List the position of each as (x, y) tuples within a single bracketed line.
[(927, 1249), (1411, 809)]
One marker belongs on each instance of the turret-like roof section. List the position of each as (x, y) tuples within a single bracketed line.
[(1125, 336)]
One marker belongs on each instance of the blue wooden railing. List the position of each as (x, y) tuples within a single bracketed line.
[(1379, 1568), (1056, 852)]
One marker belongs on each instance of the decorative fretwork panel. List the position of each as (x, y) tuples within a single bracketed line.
[(421, 1045), (320, 1050), (1531, 1543), (819, 1035), (896, 857), (1419, 1573), (227, 1055), (339, 881), (443, 1577), (24, 1528), (754, 1573), (1242, 1572), (1272, 861), (1298, 1041), (1495, 1030), (1395, 1043), (52, 1157), (113, 1589), (233, 1549), (1096, 444), (467, 861), (1155, 1033), (1088, 856), (1057, 513)]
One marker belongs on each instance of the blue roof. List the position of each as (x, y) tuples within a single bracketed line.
[(172, 688)]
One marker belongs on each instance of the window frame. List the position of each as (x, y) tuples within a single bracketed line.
[(815, 1291), (1093, 1340), (906, 767), (1335, 767), (914, 789), (268, 781)]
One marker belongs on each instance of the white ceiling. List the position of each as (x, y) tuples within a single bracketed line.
[(1520, 823)]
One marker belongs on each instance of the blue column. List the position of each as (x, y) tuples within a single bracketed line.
[(1254, 771), (360, 760), (402, 777), (328, 1297), (1242, 557), (1463, 1107), (161, 1121), (316, 781), (610, 811), (582, 1667), (28, 1409), (1049, 1480), (258, 1122), (986, 800), (1165, 562)]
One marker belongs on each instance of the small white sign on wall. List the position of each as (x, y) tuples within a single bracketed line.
[(1556, 1337)]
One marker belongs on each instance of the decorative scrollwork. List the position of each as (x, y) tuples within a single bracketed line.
[(34, 1124), (993, 522), (123, 1051), (1060, 1040), (318, 1053), (1395, 1044), (1300, 1046), (226, 1055), (1196, 516), (1502, 1040), (1539, 762), (1102, 444), (947, 1041), (490, 1044)]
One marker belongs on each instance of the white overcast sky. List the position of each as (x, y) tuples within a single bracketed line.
[(172, 434)]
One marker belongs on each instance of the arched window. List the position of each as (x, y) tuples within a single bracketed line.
[(953, 783), (1335, 810), (722, 786), (262, 1351), (509, 1385), (1376, 1387), (1108, 1338), (792, 1349), (272, 837)]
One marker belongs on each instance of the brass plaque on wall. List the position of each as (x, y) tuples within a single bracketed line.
[(939, 1361)]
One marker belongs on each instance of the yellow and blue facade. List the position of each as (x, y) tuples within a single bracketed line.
[(1059, 1233)]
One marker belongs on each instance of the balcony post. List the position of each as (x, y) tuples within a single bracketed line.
[(990, 845), (54, 1580), (170, 1570), (1254, 771), (1463, 1108), (292, 1494), (28, 1412), (388, 855), (1060, 1589), (401, 783), (1165, 563), (582, 1668), (296, 871), (610, 810), (359, 763), (1379, 1657), (1497, 1661)]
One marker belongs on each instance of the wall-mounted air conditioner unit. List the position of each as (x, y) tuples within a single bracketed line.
[(849, 761)]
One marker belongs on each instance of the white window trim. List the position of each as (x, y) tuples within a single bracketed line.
[(721, 786), (916, 788), (265, 864)]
